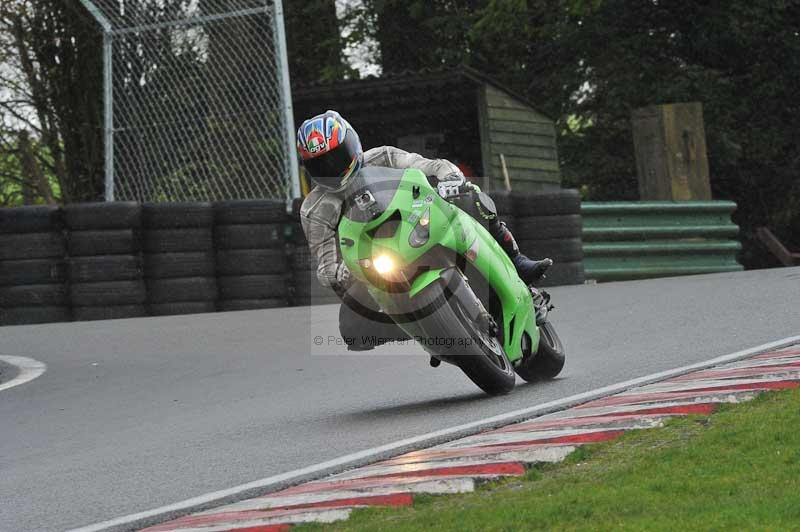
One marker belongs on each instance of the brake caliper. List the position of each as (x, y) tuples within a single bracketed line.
[(541, 303)]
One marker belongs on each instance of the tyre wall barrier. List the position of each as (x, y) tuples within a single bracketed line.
[(548, 224), (124, 259), (179, 259), (252, 267), (104, 261), (645, 239), (306, 289), (33, 271)]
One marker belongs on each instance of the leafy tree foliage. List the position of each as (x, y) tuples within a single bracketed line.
[(51, 70), (51, 121), (419, 34), (589, 63), (740, 58), (314, 42), (586, 63)]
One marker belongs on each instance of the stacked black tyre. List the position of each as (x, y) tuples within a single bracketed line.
[(179, 261), (32, 268), (105, 265), (252, 267), (306, 289), (548, 224)]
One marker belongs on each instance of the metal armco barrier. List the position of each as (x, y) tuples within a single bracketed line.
[(638, 240)]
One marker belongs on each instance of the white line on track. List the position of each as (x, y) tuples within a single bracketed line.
[(145, 518), (29, 369)]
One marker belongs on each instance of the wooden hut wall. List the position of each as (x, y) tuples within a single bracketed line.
[(526, 138)]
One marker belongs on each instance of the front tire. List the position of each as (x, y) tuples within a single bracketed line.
[(479, 355), (549, 359)]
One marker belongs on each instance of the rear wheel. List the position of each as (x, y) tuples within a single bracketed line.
[(549, 359)]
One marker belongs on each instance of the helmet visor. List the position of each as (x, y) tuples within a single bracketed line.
[(329, 169)]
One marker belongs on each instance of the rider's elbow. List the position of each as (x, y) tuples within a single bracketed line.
[(326, 276)]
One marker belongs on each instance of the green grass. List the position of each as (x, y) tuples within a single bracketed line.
[(738, 469)]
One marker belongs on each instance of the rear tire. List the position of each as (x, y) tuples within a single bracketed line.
[(548, 361)]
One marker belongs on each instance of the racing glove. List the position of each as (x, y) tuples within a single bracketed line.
[(343, 278), (450, 185)]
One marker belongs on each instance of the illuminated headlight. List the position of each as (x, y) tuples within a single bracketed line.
[(421, 233), (383, 264), (425, 219)]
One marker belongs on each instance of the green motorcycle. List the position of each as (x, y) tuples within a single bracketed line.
[(442, 278)]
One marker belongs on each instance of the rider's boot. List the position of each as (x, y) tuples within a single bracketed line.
[(528, 270)]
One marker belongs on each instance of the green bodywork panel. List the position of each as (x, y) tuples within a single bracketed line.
[(449, 228), (423, 280)]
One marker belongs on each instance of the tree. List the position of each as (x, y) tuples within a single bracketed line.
[(590, 63), (51, 106), (417, 34), (314, 42)]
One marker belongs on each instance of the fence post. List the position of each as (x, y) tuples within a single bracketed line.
[(108, 101), (108, 114), (280, 36)]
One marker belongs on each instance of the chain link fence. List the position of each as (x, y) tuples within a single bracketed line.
[(197, 100)]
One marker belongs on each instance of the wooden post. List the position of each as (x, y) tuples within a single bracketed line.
[(671, 159), (506, 178)]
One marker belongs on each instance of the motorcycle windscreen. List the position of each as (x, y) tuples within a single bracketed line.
[(370, 192)]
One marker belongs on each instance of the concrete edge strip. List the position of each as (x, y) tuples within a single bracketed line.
[(29, 369), (276, 482)]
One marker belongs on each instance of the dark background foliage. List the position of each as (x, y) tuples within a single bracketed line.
[(589, 63), (586, 63)]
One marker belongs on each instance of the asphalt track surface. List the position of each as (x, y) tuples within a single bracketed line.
[(136, 414)]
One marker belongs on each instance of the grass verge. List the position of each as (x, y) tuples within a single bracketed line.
[(736, 469)]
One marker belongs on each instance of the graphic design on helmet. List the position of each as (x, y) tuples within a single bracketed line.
[(330, 149), (314, 138), (334, 132)]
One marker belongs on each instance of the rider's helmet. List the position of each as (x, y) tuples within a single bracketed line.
[(330, 150)]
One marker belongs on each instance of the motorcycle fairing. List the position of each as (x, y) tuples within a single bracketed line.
[(383, 196)]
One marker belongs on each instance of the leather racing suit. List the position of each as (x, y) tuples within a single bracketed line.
[(320, 214), (322, 209)]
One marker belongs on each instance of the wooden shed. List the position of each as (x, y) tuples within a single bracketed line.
[(458, 114)]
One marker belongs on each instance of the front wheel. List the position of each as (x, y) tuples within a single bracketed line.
[(548, 361), (489, 369), (451, 336)]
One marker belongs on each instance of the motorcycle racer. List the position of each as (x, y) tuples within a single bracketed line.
[(331, 152)]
